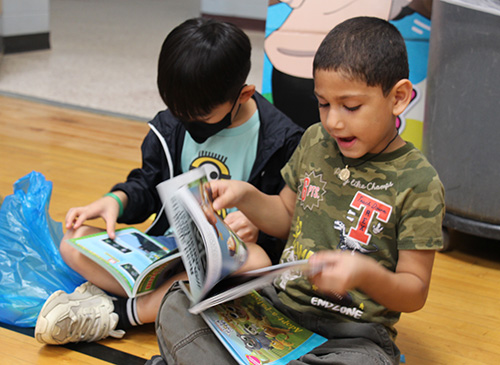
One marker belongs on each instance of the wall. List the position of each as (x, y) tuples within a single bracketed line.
[(248, 14), (253, 9), (25, 25), (1, 37)]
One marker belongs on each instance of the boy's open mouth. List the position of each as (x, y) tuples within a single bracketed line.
[(346, 139)]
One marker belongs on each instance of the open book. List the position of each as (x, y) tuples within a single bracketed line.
[(211, 251), (254, 332), (139, 262)]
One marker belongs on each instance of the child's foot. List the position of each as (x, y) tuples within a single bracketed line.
[(84, 315)]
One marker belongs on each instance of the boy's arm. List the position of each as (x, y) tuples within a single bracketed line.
[(272, 214), (140, 186), (404, 290)]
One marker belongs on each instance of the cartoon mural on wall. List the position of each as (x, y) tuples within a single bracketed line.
[(295, 29), (414, 23)]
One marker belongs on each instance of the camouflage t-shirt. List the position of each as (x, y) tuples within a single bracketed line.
[(395, 201)]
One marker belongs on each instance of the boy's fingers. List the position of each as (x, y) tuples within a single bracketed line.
[(79, 221), (214, 187), (217, 204), (231, 219), (218, 190), (110, 228), (70, 217), (69, 221), (223, 201)]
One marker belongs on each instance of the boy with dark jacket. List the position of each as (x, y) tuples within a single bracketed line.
[(202, 69)]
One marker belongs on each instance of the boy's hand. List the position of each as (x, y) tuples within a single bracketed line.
[(105, 207), (228, 193), (242, 226), (272, 214), (341, 271), (404, 290)]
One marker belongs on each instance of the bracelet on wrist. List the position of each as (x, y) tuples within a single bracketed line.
[(118, 200)]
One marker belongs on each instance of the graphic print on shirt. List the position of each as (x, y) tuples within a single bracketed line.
[(291, 254), (288, 255), (366, 216), (215, 163), (371, 213), (216, 167), (312, 189)]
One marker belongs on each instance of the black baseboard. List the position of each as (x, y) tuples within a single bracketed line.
[(94, 349), (243, 23), (25, 43)]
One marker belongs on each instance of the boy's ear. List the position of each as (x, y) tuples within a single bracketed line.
[(246, 93), (401, 93)]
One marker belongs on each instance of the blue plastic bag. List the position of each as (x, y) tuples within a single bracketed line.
[(31, 267)]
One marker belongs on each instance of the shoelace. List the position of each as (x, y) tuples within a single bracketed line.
[(93, 324)]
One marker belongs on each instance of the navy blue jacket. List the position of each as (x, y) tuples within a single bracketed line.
[(278, 138)]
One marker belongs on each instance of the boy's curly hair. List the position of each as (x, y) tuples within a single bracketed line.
[(366, 49)]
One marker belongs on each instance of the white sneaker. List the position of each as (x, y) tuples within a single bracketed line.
[(84, 315)]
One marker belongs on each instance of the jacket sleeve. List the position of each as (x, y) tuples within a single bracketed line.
[(272, 182), (140, 187), (291, 142), (279, 138)]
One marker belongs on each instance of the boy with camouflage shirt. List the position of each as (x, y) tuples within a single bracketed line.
[(360, 202)]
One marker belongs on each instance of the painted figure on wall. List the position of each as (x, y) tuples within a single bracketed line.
[(294, 30)]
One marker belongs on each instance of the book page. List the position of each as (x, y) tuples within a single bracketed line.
[(210, 250), (157, 273), (191, 246), (237, 285), (125, 257), (225, 251), (186, 233), (255, 332)]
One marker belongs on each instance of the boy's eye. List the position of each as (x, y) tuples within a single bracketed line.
[(353, 108)]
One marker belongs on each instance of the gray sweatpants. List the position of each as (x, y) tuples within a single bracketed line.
[(185, 339)]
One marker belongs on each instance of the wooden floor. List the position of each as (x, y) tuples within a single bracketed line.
[(84, 154)]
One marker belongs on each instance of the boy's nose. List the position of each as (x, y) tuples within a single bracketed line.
[(334, 120)]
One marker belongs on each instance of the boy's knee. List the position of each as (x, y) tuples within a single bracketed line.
[(257, 258), (67, 251), (71, 255), (263, 259)]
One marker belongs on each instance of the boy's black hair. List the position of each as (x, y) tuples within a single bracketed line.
[(203, 63), (365, 49)]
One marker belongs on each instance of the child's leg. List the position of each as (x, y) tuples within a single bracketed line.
[(85, 266), (184, 338), (149, 304), (257, 258)]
